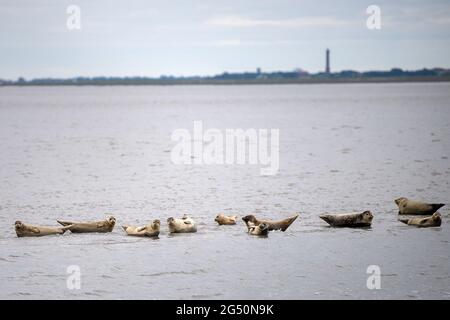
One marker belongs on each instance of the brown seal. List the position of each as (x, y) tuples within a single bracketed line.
[(282, 225), (432, 221), (150, 230), (363, 219), (259, 230), (27, 230), (182, 225), (412, 207), (90, 226), (222, 219)]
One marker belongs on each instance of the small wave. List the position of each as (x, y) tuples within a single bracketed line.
[(169, 273), (206, 296)]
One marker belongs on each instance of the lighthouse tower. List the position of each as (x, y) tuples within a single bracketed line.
[(327, 61)]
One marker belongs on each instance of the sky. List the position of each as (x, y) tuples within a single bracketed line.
[(192, 37)]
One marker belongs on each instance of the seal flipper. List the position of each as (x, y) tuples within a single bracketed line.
[(35, 230), (100, 224), (405, 221)]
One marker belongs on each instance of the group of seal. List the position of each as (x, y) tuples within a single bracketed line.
[(260, 227), (176, 225), (282, 225), (412, 207), (406, 207), (24, 230)]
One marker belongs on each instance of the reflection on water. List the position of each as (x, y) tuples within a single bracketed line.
[(86, 152)]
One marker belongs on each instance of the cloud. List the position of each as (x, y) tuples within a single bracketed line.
[(237, 21), (227, 43), (239, 42)]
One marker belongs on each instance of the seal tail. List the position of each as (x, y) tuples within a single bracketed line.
[(124, 228), (65, 228), (326, 218), (405, 221), (289, 221), (437, 206), (64, 223)]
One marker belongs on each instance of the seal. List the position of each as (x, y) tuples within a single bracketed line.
[(222, 219), (182, 225), (432, 221), (150, 230), (363, 219), (282, 225), (259, 230), (411, 207), (27, 230), (90, 226)]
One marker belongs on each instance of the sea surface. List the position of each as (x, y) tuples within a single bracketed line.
[(85, 153)]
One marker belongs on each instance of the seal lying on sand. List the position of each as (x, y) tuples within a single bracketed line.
[(432, 221), (282, 225), (182, 225), (222, 219), (259, 230), (90, 226), (150, 230), (363, 219), (411, 207), (27, 230)]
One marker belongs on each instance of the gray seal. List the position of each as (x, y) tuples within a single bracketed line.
[(412, 207), (432, 221), (90, 226), (363, 219), (28, 230), (259, 230), (150, 230)]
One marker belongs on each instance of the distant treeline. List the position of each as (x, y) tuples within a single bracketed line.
[(298, 76)]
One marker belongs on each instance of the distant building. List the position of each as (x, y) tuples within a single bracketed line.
[(258, 70), (327, 61), (301, 73)]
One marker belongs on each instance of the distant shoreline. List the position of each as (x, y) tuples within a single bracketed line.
[(168, 82)]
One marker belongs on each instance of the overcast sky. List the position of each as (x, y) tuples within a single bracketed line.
[(190, 37)]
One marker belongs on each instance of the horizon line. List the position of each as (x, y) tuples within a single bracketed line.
[(205, 76)]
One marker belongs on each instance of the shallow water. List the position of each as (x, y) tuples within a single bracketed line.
[(88, 152)]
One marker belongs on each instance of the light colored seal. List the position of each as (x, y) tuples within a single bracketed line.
[(182, 225), (222, 219), (282, 225), (356, 219), (27, 230), (90, 226), (432, 221), (259, 230), (412, 207), (150, 230)]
